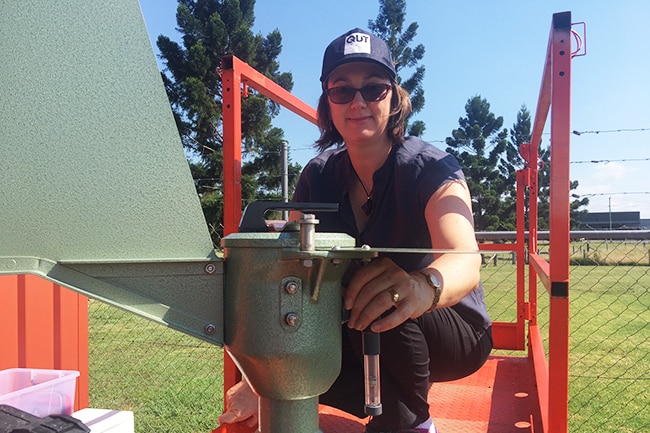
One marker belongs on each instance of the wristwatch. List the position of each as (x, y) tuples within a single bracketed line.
[(434, 283)]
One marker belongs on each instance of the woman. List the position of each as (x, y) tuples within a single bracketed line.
[(393, 192)]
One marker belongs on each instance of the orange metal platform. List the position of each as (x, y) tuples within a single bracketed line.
[(499, 398)]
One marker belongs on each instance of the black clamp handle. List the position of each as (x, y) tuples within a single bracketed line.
[(253, 220)]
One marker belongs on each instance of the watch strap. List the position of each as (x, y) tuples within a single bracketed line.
[(437, 291)]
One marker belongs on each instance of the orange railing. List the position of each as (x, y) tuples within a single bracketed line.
[(555, 94)]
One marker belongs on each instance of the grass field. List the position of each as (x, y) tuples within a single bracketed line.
[(173, 382)]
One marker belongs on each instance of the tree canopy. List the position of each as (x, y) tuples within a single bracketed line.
[(489, 155), (389, 25), (478, 145), (210, 30)]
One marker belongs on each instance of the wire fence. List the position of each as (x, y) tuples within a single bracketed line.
[(609, 346), (609, 329), (173, 382)]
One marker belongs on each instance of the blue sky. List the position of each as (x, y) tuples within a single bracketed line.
[(494, 49)]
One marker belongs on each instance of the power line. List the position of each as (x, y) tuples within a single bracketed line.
[(609, 193), (575, 132), (610, 130), (605, 161)]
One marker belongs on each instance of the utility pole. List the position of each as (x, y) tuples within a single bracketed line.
[(285, 178), (610, 213)]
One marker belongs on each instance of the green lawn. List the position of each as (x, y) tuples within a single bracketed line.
[(173, 382)]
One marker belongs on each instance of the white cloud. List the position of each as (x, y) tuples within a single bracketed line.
[(612, 171)]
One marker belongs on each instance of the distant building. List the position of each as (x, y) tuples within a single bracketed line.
[(611, 220)]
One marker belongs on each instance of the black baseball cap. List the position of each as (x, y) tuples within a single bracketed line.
[(357, 45)]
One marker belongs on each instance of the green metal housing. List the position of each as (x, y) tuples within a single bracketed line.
[(96, 190)]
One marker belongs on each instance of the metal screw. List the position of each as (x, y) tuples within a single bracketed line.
[(365, 259), (292, 319), (291, 287), (210, 268), (210, 329)]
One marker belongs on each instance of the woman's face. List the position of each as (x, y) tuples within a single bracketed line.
[(360, 120)]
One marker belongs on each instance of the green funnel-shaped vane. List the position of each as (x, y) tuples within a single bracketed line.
[(96, 192)]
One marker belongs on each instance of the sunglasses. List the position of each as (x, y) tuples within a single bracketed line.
[(369, 92)]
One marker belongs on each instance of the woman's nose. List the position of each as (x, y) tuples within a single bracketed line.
[(358, 100)]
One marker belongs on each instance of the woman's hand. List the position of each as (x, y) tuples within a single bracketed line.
[(241, 405), (379, 286)]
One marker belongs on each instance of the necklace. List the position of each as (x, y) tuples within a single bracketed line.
[(369, 205)]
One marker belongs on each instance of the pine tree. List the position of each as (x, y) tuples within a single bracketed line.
[(478, 146), (511, 163), (210, 30), (389, 25)]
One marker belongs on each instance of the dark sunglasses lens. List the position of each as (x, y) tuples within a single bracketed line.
[(370, 93), (374, 92), (341, 95)]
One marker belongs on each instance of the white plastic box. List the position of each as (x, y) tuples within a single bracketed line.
[(39, 392), (106, 421)]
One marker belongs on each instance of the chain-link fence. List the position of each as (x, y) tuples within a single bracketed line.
[(610, 344), (609, 324), (173, 383)]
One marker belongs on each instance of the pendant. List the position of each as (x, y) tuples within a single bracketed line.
[(368, 207)]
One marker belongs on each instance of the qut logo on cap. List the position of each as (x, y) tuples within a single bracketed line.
[(357, 43)]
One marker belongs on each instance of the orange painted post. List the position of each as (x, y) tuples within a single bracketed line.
[(523, 307), (232, 208), (235, 74), (231, 94), (560, 224), (555, 94), (43, 325)]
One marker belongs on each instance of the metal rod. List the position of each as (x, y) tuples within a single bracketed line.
[(418, 250)]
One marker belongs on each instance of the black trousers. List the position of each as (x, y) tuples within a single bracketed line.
[(437, 347)]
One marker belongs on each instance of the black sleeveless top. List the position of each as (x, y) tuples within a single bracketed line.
[(402, 188)]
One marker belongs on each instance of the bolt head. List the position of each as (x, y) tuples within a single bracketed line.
[(292, 319), (291, 287)]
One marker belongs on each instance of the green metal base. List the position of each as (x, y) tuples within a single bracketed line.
[(283, 416)]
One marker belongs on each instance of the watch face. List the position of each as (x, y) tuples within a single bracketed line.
[(434, 281)]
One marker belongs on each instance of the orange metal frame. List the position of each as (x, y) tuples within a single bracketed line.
[(555, 93), (554, 97), (236, 76)]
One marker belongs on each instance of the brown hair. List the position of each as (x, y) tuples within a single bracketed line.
[(400, 108)]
